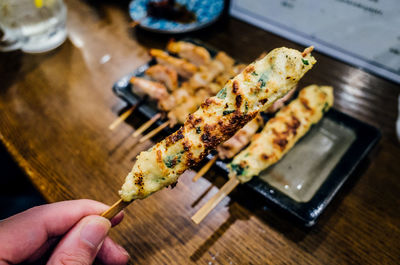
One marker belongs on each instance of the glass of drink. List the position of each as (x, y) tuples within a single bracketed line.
[(32, 25)]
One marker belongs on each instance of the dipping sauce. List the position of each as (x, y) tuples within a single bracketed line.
[(302, 171), (170, 10)]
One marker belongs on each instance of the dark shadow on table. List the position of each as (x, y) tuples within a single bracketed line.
[(16, 192), (15, 64)]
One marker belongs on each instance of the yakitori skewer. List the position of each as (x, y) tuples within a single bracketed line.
[(231, 147), (153, 89), (275, 140), (190, 95), (154, 132), (241, 99), (122, 117), (195, 54), (146, 125)]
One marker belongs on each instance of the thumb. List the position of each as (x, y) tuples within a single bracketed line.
[(81, 244)]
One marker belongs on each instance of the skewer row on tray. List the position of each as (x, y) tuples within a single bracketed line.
[(180, 84)]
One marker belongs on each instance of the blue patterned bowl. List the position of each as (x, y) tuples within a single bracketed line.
[(206, 11)]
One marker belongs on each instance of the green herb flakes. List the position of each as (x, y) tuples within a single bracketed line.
[(325, 108), (227, 112), (246, 107), (222, 93), (263, 80), (238, 169), (171, 161), (305, 62)]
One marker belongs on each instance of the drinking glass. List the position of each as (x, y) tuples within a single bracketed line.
[(32, 25)]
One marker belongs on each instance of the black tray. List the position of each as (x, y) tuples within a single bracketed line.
[(364, 138)]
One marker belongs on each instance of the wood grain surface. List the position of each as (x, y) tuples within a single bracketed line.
[(56, 109)]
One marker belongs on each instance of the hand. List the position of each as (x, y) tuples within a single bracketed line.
[(75, 226)]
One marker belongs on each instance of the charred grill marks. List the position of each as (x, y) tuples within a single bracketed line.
[(238, 101), (235, 87), (173, 138)]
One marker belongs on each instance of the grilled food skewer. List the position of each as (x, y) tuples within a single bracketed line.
[(181, 66), (122, 117), (256, 88), (231, 147), (163, 74), (275, 140), (218, 118), (193, 53)]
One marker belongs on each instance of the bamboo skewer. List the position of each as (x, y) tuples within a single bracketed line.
[(115, 209), (134, 23), (146, 125), (217, 198), (204, 169), (154, 132), (122, 118)]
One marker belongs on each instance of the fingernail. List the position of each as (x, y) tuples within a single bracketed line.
[(123, 251), (95, 231)]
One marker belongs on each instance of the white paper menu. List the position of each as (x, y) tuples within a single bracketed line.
[(365, 33)]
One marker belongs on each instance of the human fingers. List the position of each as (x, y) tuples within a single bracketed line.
[(81, 244), (28, 232), (112, 253)]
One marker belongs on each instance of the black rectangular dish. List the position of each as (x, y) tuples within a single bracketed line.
[(307, 178)]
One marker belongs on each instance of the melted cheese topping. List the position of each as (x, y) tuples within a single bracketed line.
[(282, 132), (257, 87)]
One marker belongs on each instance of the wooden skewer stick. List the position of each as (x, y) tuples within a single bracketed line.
[(217, 198), (115, 209), (153, 132), (146, 125), (134, 23), (122, 118), (204, 169)]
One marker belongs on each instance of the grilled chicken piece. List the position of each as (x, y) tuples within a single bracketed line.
[(179, 113), (282, 132), (225, 59), (217, 119), (154, 90), (205, 75), (281, 102), (163, 74), (221, 65), (195, 54), (237, 142), (177, 97), (181, 66)]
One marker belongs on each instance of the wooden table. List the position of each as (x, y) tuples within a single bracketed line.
[(56, 107)]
